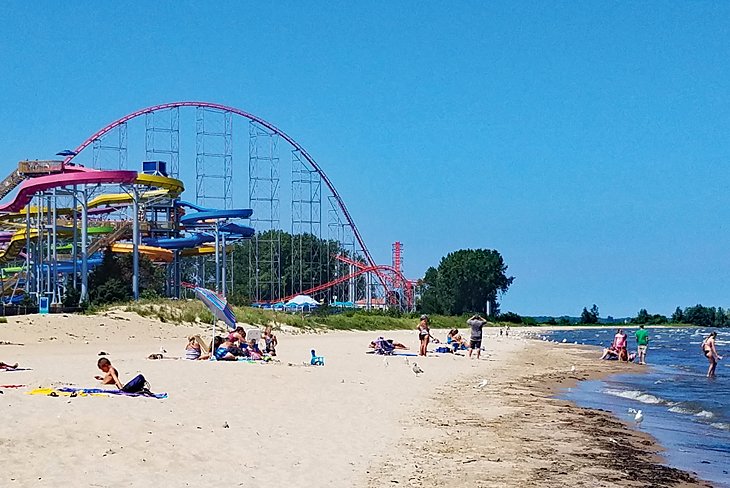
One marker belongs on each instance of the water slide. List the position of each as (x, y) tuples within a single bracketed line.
[(204, 216), (155, 254), (166, 187)]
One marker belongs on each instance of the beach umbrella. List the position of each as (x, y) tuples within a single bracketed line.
[(218, 306)]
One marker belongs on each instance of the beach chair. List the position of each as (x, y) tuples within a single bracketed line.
[(316, 360), (253, 333)]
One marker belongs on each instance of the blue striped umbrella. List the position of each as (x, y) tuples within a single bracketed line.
[(217, 305)]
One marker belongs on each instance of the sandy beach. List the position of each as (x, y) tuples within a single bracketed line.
[(360, 420)]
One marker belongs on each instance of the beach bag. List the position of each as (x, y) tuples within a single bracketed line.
[(138, 384)]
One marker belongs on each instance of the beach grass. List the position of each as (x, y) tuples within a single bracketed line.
[(194, 311)]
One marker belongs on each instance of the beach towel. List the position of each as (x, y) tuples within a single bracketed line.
[(101, 391), (16, 369), (98, 392), (54, 392)]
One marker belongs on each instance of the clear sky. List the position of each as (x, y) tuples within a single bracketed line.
[(586, 141)]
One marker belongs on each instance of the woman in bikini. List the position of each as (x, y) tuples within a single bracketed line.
[(424, 334), (708, 347)]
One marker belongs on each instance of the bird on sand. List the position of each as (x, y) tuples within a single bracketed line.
[(482, 384), (417, 369), (385, 362), (408, 363)]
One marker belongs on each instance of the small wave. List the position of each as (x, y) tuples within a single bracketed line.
[(637, 395), (705, 414), (721, 425), (683, 410)]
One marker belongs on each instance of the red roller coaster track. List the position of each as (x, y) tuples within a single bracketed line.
[(258, 120)]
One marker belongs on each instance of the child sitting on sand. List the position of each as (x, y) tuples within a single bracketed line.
[(111, 376), (8, 367), (455, 340), (270, 340)]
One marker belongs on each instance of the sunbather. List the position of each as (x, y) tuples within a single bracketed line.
[(111, 376), (386, 346), (192, 350), (238, 335), (270, 340), (8, 366), (455, 340)]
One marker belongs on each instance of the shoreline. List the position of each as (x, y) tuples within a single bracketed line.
[(361, 420), (517, 432)]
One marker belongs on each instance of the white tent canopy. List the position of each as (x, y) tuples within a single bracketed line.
[(302, 300)]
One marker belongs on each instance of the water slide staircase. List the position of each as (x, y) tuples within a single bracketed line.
[(106, 241)]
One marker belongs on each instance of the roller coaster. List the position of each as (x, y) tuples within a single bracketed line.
[(58, 216)]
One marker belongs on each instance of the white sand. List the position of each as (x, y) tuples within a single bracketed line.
[(289, 425)]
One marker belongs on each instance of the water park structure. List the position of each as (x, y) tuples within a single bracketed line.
[(58, 216)]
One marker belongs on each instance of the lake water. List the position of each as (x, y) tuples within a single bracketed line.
[(686, 412)]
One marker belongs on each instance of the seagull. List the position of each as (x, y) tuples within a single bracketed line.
[(572, 369), (408, 363), (385, 362), (482, 384), (639, 417), (417, 369)]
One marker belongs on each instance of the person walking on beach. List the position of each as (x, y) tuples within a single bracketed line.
[(708, 347), (642, 343), (424, 334), (476, 323)]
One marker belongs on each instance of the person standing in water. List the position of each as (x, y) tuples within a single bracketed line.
[(708, 347), (642, 343), (424, 334), (476, 323)]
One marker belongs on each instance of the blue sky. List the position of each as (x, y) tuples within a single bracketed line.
[(587, 142)]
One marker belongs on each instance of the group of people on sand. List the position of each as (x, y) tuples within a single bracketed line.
[(619, 348), (454, 339), (232, 347)]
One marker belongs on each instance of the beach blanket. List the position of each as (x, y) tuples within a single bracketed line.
[(16, 369), (69, 391), (97, 391), (395, 353), (54, 392), (12, 386)]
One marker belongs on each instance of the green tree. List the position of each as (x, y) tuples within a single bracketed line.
[(700, 316), (464, 281), (111, 281), (678, 316), (642, 317), (589, 317)]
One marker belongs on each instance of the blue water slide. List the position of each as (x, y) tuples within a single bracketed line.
[(177, 243), (201, 215)]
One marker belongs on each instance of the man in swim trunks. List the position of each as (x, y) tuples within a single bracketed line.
[(111, 376), (642, 343), (476, 323), (8, 366)]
